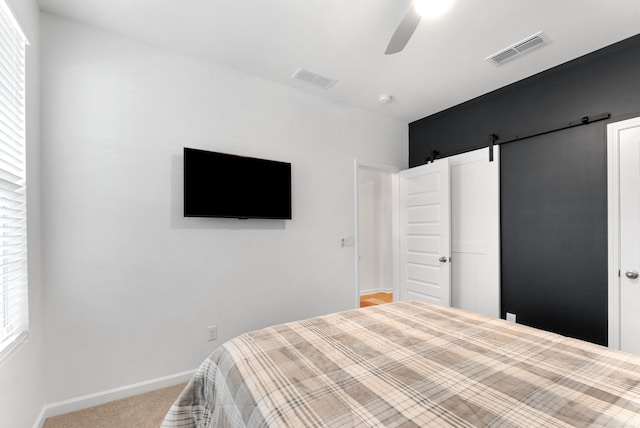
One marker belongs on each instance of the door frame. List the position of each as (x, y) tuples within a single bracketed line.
[(387, 169), (613, 223)]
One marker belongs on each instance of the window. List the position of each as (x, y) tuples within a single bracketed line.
[(14, 316)]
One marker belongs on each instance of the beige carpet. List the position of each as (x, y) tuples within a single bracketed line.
[(140, 411)]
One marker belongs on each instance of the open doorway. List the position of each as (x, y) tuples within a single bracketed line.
[(374, 234)]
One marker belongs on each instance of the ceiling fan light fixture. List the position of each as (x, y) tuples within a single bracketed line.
[(432, 8)]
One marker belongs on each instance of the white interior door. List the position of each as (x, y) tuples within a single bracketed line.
[(624, 235), (425, 233), (630, 240), (475, 232)]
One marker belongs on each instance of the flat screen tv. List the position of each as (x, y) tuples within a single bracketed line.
[(226, 185)]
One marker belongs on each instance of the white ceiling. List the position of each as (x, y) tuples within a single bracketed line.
[(442, 65)]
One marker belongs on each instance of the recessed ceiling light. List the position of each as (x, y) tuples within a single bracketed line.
[(432, 8)]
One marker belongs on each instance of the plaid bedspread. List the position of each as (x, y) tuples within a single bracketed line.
[(410, 364)]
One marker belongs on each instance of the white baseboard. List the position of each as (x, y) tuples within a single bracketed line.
[(41, 418), (90, 400), (376, 290)]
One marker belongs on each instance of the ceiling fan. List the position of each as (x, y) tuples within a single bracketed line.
[(418, 10)]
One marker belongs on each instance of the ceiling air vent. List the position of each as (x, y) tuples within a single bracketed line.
[(313, 78), (517, 49)]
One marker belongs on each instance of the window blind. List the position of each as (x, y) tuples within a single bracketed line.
[(14, 315)]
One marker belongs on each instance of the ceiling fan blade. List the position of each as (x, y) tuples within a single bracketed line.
[(404, 32)]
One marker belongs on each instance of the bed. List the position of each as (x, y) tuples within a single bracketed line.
[(409, 364)]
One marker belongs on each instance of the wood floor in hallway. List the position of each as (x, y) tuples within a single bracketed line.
[(375, 299)]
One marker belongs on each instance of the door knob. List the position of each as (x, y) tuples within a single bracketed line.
[(444, 260), (631, 274)]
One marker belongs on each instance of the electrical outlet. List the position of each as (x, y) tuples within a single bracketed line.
[(213, 332), (511, 317)]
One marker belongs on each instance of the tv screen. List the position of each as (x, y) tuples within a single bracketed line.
[(225, 185)]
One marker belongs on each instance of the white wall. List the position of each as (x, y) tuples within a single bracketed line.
[(22, 373), (131, 284), (374, 231)]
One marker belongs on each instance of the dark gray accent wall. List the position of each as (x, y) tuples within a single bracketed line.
[(553, 187), (553, 216)]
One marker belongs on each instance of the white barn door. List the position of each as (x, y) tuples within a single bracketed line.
[(475, 232), (425, 233)]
